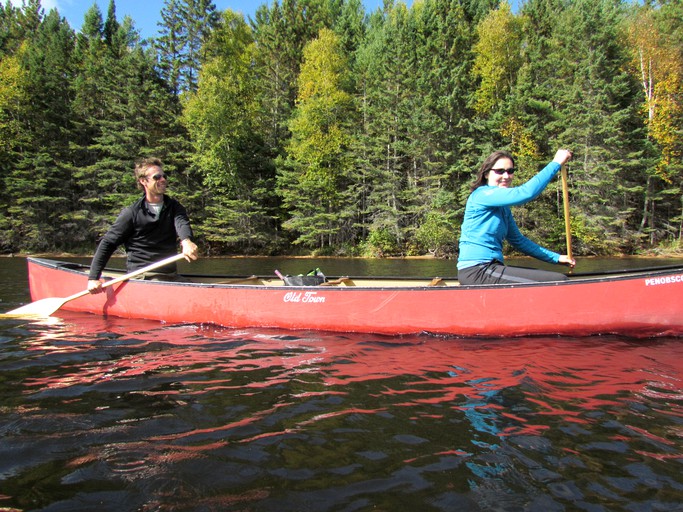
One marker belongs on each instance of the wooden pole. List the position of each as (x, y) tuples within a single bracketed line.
[(567, 221)]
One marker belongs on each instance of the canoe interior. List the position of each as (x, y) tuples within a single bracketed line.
[(357, 281)]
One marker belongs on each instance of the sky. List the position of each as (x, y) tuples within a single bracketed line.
[(145, 13)]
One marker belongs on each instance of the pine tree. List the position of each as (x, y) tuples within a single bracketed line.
[(443, 130), (185, 29), (170, 44), (281, 31), (220, 118), (384, 67), (119, 104), (14, 106), (573, 91), (38, 182), (313, 177), (413, 100)]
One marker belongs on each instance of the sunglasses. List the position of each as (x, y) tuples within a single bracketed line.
[(157, 177), (500, 172)]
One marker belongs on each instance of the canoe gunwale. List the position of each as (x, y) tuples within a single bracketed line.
[(575, 279)]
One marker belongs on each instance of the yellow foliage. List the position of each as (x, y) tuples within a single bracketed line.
[(521, 141), (667, 124), (13, 98), (322, 105), (659, 66), (496, 56), (324, 64)]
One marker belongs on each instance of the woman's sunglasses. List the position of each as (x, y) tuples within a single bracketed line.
[(500, 172)]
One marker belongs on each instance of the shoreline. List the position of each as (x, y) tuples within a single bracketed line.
[(655, 254)]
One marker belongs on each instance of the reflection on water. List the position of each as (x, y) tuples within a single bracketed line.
[(111, 414)]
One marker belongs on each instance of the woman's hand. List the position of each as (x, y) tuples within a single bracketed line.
[(566, 260), (562, 156)]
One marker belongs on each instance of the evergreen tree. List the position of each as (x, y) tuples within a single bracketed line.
[(170, 44), (14, 106), (349, 25), (382, 154), (574, 91), (313, 178), (281, 31), (38, 182), (413, 90), (120, 104), (220, 117), (185, 29), (11, 32), (386, 66), (444, 40)]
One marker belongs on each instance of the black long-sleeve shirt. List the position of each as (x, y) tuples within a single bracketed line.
[(147, 239)]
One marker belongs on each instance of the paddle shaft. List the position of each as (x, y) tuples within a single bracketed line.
[(130, 275), (140, 271), (567, 223)]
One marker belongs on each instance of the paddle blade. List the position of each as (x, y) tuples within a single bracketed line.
[(43, 307)]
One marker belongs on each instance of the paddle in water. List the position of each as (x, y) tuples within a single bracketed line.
[(46, 307)]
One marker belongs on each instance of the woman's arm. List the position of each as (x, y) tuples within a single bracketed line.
[(500, 196), (528, 247)]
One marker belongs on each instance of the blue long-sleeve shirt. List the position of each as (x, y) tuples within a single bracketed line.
[(488, 222)]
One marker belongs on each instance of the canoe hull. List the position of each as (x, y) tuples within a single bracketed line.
[(638, 305)]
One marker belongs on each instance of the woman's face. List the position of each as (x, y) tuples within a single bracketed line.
[(504, 180)]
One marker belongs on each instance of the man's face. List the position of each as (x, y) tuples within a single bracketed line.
[(155, 181)]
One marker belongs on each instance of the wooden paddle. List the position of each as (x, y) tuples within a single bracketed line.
[(567, 224), (45, 307)]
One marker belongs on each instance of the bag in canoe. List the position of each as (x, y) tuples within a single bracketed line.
[(313, 278)]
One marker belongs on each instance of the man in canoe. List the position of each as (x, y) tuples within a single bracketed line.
[(488, 222), (149, 229)]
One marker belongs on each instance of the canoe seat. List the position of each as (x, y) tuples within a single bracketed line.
[(241, 280), (342, 281)]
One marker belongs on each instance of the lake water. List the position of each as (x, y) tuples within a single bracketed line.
[(107, 414)]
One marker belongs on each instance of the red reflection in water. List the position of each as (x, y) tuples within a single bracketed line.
[(557, 377)]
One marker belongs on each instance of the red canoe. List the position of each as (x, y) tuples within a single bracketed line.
[(633, 303)]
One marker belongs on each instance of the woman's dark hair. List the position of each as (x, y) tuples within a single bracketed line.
[(487, 165)]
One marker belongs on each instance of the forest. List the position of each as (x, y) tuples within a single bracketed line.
[(317, 128)]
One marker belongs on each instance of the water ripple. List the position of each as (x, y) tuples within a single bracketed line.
[(122, 415)]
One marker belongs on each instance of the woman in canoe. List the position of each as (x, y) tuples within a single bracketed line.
[(488, 221)]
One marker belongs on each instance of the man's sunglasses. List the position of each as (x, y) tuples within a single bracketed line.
[(157, 177)]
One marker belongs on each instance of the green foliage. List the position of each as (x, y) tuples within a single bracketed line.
[(321, 127), (436, 235), (313, 177), (380, 243), (185, 30), (219, 115), (221, 118), (13, 102), (498, 56)]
